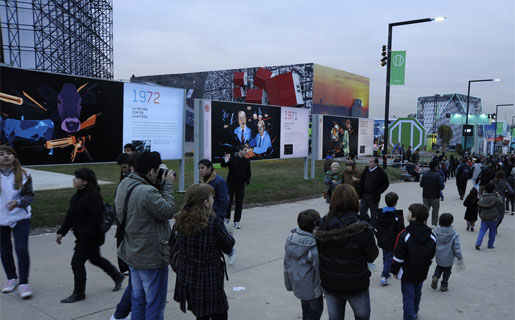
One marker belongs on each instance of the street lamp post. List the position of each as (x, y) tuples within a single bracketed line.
[(497, 109), (468, 98), (387, 95)]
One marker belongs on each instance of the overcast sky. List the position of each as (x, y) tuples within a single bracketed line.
[(477, 41)]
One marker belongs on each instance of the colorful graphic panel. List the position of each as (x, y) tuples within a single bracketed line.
[(340, 134), (336, 92), (52, 119)]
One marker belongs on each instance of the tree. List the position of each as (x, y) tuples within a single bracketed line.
[(445, 134)]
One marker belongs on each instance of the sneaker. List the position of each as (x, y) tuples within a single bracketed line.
[(24, 290), (9, 286), (384, 281), (477, 247), (126, 318), (492, 247), (434, 283), (232, 257), (226, 221), (443, 288), (237, 225), (74, 298)]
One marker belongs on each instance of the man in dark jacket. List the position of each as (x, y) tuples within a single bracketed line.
[(487, 175), (413, 254), (432, 183), (239, 176), (208, 175), (463, 173), (374, 181)]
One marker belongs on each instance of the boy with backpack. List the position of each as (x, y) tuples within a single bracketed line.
[(447, 248), (413, 254), (389, 223), (301, 268)]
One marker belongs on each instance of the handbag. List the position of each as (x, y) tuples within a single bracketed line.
[(120, 230), (174, 250), (108, 217)]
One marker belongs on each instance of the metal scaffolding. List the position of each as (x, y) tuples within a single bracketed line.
[(432, 112), (65, 36)]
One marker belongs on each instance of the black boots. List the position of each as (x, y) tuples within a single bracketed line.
[(118, 281), (74, 298)]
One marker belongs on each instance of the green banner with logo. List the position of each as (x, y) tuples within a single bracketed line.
[(500, 128), (397, 67)]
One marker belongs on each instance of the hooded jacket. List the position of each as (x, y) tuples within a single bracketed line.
[(447, 246), (414, 251), (301, 265), (345, 246), (388, 225), (488, 206), (147, 231)]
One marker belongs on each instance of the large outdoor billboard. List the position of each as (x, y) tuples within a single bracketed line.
[(52, 118), (270, 132), (340, 134), (337, 92)]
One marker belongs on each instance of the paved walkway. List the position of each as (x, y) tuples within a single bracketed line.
[(484, 290), (46, 180)]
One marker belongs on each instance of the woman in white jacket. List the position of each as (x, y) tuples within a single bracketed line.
[(16, 194)]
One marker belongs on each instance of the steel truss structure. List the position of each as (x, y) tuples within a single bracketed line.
[(432, 112), (65, 36)]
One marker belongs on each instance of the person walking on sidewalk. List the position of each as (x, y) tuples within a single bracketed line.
[(463, 173), (84, 217), (489, 213), (413, 254), (471, 204), (346, 246), (432, 184), (145, 245), (238, 177), (374, 181), (202, 240), (447, 248), (16, 194)]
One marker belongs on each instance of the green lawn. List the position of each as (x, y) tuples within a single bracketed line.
[(272, 181)]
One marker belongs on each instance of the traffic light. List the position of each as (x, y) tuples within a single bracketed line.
[(385, 58)]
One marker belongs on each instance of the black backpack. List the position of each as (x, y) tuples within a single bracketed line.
[(108, 217), (466, 172)]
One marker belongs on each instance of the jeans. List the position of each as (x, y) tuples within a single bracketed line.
[(446, 274), (368, 203), (149, 289), (435, 203), (411, 295), (79, 270), (238, 192), (387, 262), (21, 245), (360, 304), (512, 201), (492, 227), (123, 308), (312, 309)]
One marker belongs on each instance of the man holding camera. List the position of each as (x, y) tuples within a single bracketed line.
[(144, 246)]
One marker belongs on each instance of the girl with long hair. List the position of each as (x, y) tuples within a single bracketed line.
[(202, 238), (84, 217), (345, 247), (16, 194)]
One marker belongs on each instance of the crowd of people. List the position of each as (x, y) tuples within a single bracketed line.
[(326, 258)]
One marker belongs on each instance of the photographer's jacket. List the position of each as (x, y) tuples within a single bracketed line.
[(147, 231)]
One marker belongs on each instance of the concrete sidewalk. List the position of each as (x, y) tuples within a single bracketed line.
[(46, 180), (484, 290)]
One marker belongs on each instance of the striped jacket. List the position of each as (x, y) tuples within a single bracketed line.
[(414, 251)]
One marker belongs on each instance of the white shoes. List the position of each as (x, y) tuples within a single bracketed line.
[(10, 285), (24, 291), (237, 225), (126, 318)]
